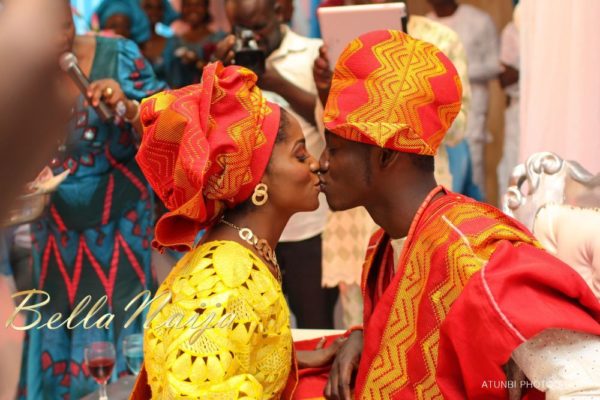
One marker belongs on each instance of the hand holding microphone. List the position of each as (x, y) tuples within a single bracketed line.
[(104, 95)]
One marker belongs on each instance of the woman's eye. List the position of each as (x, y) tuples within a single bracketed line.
[(302, 157)]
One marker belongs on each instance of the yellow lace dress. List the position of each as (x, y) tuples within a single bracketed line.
[(218, 329)]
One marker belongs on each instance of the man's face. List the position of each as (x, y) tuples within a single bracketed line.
[(263, 17), (345, 172)]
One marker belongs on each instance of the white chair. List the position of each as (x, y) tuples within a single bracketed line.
[(559, 201)]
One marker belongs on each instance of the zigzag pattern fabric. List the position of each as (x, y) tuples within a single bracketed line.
[(205, 147), (450, 240), (393, 91)]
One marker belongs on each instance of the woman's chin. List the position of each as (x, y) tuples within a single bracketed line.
[(311, 205)]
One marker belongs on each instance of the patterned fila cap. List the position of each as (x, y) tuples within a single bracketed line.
[(393, 91)]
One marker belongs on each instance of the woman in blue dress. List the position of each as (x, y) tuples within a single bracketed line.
[(95, 238), (161, 14)]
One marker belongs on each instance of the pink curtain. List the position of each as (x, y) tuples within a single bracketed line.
[(560, 81)]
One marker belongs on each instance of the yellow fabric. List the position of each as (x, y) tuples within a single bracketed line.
[(246, 350)]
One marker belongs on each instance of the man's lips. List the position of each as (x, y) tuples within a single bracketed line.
[(322, 185)]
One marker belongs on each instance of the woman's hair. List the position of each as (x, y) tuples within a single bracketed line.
[(284, 123)]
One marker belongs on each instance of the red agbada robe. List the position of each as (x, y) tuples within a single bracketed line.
[(472, 285)]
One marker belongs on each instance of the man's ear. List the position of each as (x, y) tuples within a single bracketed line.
[(386, 158), (278, 11)]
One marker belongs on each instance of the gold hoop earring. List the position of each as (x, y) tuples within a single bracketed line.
[(260, 195)]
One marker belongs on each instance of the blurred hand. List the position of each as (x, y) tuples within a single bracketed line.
[(319, 357), (224, 50), (344, 368), (187, 56), (110, 92), (322, 74)]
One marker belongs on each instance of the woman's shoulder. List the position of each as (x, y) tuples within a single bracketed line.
[(113, 47), (225, 261)]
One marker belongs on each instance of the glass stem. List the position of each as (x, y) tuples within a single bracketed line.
[(103, 395)]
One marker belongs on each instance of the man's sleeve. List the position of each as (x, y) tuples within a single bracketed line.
[(561, 362)]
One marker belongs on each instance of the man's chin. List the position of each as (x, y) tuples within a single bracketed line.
[(334, 206)]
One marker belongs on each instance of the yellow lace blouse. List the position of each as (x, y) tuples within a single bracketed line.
[(225, 331)]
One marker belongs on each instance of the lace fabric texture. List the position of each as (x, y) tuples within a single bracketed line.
[(218, 328)]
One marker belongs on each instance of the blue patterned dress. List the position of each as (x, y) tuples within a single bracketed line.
[(95, 238)]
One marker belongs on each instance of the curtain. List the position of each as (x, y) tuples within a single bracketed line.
[(560, 82)]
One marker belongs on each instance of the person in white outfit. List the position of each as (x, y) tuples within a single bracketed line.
[(509, 80), (480, 39)]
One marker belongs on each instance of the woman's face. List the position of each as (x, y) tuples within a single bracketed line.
[(194, 11), (292, 172), (154, 10), (119, 24)]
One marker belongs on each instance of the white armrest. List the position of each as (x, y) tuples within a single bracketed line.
[(307, 334)]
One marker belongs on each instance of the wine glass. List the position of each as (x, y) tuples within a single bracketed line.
[(133, 350), (100, 360)]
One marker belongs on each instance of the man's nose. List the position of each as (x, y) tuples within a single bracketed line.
[(323, 162)]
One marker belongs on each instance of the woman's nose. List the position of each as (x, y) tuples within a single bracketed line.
[(314, 165)]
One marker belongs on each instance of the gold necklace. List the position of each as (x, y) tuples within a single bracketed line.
[(261, 245)]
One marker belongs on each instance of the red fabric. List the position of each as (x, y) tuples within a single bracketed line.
[(391, 90), (332, 3), (533, 291), (312, 381), (437, 293), (205, 147)]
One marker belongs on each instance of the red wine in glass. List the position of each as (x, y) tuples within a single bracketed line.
[(101, 368), (100, 360)]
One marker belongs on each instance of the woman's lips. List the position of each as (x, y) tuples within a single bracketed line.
[(322, 186)]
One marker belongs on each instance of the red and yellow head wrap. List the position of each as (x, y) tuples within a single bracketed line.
[(205, 147), (393, 91)]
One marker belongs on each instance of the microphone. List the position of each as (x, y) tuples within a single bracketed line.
[(68, 63)]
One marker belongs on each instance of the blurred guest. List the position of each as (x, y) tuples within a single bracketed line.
[(28, 88), (124, 18), (28, 74), (478, 35), (509, 80), (190, 52), (160, 13), (95, 238)]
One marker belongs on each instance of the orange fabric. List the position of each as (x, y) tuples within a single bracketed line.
[(450, 240), (393, 91), (205, 147)]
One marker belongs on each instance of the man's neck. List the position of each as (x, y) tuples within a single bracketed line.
[(446, 9), (396, 208)]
